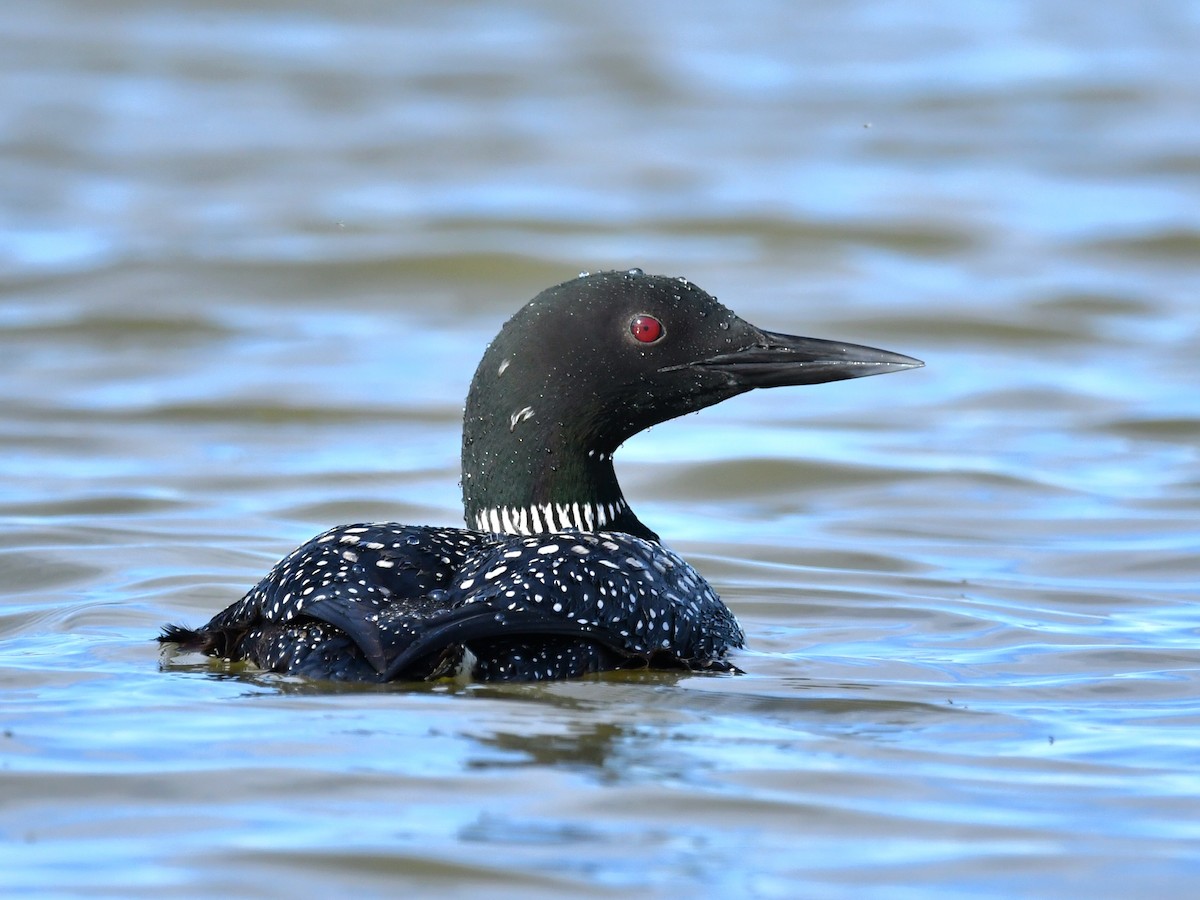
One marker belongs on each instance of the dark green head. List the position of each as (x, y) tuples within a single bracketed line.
[(589, 363)]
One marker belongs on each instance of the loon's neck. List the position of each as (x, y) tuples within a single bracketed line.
[(533, 479)]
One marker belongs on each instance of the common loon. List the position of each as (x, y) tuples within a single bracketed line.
[(555, 577)]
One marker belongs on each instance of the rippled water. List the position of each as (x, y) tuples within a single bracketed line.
[(249, 255)]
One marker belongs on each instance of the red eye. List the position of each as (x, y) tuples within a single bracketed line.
[(646, 329)]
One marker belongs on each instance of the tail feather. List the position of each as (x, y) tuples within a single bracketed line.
[(188, 639)]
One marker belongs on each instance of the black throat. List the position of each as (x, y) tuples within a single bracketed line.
[(523, 474)]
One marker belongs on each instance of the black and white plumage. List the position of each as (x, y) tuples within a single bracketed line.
[(559, 577), (376, 602)]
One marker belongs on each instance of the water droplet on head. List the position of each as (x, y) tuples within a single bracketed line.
[(636, 272), (584, 274), (724, 326)]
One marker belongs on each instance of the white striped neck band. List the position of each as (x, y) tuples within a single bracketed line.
[(546, 517)]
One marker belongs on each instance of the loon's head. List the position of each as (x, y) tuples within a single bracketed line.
[(589, 363)]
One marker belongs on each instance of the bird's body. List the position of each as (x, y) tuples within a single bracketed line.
[(380, 601), (557, 578)]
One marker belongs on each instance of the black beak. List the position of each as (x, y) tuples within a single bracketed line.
[(782, 359)]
